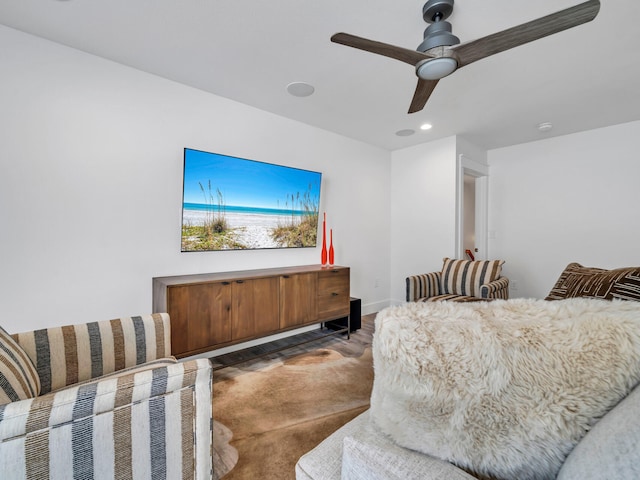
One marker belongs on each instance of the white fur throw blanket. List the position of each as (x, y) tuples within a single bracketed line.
[(503, 389)]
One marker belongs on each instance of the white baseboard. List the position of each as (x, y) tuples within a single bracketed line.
[(374, 307)]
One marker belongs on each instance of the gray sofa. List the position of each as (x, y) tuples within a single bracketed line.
[(609, 450), (359, 451)]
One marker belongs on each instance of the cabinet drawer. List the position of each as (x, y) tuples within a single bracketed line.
[(334, 305), (333, 293), (333, 280)]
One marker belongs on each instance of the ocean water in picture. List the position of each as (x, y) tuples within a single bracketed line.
[(201, 207)]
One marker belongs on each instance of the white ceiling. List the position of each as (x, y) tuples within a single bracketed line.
[(249, 50)]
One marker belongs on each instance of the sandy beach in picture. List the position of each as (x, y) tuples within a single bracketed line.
[(252, 230)]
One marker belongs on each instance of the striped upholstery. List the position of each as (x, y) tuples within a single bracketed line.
[(579, 281), (68, 355), (150, 419), (464, 277), (479, 280), (454, 298), (18, 377), (423, 286), (497, 289)]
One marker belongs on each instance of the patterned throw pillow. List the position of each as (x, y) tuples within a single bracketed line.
[(464, 277), (579, 281), (18, 376)]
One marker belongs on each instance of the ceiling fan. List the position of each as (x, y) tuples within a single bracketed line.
[(441, 53)]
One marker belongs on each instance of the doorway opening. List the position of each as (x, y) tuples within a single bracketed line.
[(471, 209), (469, 217)]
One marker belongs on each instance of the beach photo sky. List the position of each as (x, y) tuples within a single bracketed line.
[(245, 183)]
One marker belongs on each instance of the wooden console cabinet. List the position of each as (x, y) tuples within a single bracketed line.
[(214, 310)]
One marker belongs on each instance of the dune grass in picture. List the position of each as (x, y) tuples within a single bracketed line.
[(232, 203)]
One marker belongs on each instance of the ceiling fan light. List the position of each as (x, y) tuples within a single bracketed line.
[(436, 68)]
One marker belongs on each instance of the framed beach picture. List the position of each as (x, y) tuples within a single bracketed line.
[(232, 203)]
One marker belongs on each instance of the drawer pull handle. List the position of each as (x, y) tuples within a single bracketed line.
[(285, 276), (239, 281), (334, 294), (226, 283)]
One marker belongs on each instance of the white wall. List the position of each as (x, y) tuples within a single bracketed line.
[(472, 152), (91, 186), (423, 210), (564, 199)]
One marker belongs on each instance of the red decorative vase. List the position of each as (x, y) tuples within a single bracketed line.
[(324, 240), (331, 247)]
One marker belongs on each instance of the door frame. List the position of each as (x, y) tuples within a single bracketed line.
[(467, 166)]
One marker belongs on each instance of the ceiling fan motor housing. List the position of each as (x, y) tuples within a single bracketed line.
[(438, 33)]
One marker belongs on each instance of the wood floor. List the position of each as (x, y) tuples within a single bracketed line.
[(292, 346)]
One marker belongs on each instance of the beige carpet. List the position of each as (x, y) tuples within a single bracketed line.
[(267, 414)]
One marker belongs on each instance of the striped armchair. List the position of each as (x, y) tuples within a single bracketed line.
[(103, 400), (459, 281)]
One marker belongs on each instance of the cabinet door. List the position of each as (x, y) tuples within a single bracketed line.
[(200, 315), (255, 307), (298, 299), (333, 294)]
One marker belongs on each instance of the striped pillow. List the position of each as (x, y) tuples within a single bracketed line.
[(464, 277), (18, 377)]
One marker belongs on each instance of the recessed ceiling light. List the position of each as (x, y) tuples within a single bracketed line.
[(426, 126), (300, 89), (405, 133), (545, 126)]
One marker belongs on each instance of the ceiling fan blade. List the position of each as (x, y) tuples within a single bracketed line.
[(422, 94), (469, 52), (403, 54)]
